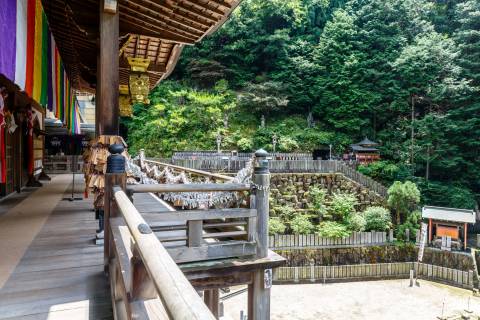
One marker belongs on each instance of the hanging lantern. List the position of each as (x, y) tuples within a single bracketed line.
[(124, 101), (139, 81)]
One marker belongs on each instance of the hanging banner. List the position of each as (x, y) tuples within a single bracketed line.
[(30, 58), (423, 241)]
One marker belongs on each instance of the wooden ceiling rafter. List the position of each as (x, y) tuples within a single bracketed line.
[(153, 32), (201, 6), (160, 24), (200, 29)]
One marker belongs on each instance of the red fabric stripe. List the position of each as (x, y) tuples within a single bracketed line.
[(30, 46)]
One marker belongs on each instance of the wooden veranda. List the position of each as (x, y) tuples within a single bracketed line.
[(155, 263)]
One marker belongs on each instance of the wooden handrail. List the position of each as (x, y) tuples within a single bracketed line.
[(192, 187), (193, 171), (179, 298)]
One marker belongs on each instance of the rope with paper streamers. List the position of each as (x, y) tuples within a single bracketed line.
[(151, 174)]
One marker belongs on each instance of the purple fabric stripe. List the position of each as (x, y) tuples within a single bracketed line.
[(8, 26), (49, 72)]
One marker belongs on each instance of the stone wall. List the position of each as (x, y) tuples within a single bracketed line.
[(375, 254), (292, 189)]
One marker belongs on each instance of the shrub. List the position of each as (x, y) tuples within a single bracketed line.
[(317, 197), (332, 229), (245, 144), (301, 224), (357, 222), (377, 219), (286, 213), (342, 206), (276, 226), (412, 223), (402, 198)]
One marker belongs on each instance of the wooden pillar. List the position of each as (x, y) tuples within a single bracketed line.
[(465, 237), (211, 297), (258, 292), (430, 230), (108, 75), (98, 94)]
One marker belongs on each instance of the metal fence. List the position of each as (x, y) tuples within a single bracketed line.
[(400, 270), (285, 166), (290, 241)]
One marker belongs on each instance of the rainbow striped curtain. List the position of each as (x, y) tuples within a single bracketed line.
[(29, 57)]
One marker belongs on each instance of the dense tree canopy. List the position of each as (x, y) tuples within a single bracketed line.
[(330, 72)]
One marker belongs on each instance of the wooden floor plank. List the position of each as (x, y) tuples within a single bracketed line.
[(60, 275)]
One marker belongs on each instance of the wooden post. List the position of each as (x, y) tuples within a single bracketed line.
[(261, 180), (430, 230), (211, 297), (142, 287), (115, 176), (465, 237), (195, 233), (108, 75), (110, 208), (258, 292)]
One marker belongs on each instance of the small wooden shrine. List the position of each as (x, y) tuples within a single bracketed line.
[(448, 223), (365, 151)]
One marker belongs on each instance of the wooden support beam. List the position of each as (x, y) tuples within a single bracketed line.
[(465, 237), (187, 215), (108, 72), (123, 64), (258, 298), (212, 300)]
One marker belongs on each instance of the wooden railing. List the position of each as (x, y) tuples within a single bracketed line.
[(141, 261), (145, 281), (455, 277), (239, 155), (230, 232), (291, 241), (286, 166)]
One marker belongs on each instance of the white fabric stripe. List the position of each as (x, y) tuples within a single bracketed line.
[(21, 44), (54, 83)]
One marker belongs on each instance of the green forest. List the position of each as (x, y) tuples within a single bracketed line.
[(405, 73)]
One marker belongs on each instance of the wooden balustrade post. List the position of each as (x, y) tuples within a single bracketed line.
[(259, 290), (142, 286), (211, 297), (195, 233), (113, 177)]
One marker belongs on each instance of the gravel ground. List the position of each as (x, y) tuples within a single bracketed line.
[(389, 299)]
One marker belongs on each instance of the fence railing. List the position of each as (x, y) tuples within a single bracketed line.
[(285, 166), (291, 241), (239, 155), (454, 277)]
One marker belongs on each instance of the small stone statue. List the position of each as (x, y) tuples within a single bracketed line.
[(262, 121)]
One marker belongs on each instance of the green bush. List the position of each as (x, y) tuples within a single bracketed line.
[(245, 144), (357, 222), (377, 219), (444, 194), (412, 223), (342, 206), (286, 213), (301, 224), (276, 226), (317, 198), (385, 171), (403, 198), (332, 229)]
